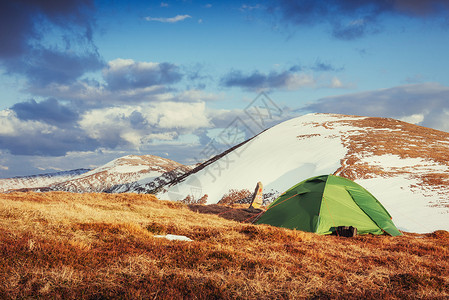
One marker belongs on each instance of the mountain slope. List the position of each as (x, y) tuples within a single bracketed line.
[(143, 186), (35, 181), (405, 166), (123, 170)]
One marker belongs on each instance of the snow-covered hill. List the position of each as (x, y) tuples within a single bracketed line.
[(150, 184), (35, 181), (118, 174), (405, 166)]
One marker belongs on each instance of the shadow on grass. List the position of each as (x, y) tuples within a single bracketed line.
[(246, 215)]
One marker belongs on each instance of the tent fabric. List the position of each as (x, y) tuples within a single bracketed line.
[(320, 204)]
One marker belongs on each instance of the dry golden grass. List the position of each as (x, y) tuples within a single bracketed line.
[(93, 246)]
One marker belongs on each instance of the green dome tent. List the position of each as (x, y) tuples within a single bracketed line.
[(323, 203)]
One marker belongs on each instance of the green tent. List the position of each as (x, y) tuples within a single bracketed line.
[(323, 203)]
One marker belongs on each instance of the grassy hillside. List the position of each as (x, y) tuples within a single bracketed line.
[(82, 246)]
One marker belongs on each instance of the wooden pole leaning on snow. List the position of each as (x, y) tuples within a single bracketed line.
[(257, 199)]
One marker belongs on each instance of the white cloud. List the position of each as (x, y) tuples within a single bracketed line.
[(98, 122), (197, 95), (175, 19), (120, 64), (7, 118), (10, 125), (414, 119), (299, 80), (182, 115), (138, 125), (336, 83)]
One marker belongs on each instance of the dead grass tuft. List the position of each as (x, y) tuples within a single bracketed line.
[(191, 200), (236, 196)]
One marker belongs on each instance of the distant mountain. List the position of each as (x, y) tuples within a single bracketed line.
[(150, 184), (121, 171), (40, 180), (405, 166), (124, 174)]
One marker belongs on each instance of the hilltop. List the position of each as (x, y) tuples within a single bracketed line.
[(84, 246)]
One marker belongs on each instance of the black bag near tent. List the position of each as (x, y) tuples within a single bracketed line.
[(346, 231)]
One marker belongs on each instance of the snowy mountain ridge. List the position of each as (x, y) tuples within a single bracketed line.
[(40, 180), (123, 170), (150, 184), (116, 175)]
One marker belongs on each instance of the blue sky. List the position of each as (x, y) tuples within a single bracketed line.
[(84, 82)]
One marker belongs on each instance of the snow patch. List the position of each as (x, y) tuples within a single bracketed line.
[(409, 209), (130, 168), (173, 237)]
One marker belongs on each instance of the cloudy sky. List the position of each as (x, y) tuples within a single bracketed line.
[(83, 82)]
